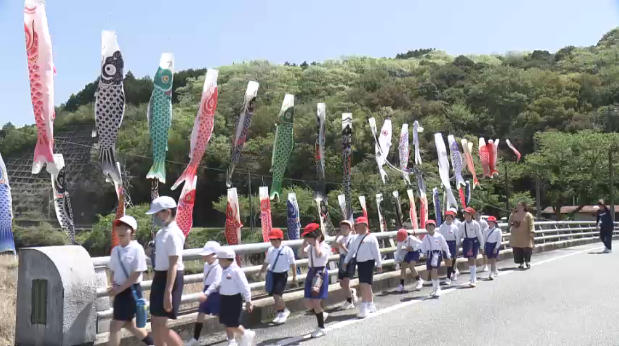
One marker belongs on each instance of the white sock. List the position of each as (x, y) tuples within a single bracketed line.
[(473, 273), (435, 284)]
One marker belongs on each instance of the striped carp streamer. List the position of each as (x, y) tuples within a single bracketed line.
[(233, 220), (404, 153), (412, 211), (41, 72), (416, 129), (265, 212), (493, 156), (347, 164), (283, 145), (467, 148), (511, 146), (382, 144), (7, 242), (437, 206), (423, 200), (293, 220), (159, 115), (443, 169), (242, 128), (364, 207), (184, 214), (484, 157), (120, 209)]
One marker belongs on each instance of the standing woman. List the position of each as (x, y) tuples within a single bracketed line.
[(522, 238), (366, 254), (604, 223), (317, 280), (127, 263)]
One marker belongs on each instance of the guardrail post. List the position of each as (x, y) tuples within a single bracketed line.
[(102, 303)]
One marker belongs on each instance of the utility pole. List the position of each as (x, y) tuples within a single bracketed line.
[(251, 206), (612, 183), (506, 189), (537, 198)]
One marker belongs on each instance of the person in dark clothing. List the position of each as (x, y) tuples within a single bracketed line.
[(604, 222)]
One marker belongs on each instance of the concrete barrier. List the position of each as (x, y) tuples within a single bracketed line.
[(264, 309)]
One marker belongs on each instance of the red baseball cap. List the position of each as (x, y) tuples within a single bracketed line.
[(275, 234), (469, 210), (431, 222), (310, 228), (361, 220), (402, 234), (491, 219), (450, 212)]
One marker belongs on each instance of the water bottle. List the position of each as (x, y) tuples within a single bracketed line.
[(140, 310)]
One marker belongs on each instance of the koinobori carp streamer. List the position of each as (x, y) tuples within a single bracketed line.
[(242, 128), (283, 145), (7, 242)]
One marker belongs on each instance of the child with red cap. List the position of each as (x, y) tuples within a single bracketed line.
[(449, 231), (279, 260), (365, 254), (408, 252), (472, 239), (317, 280), (343, 241), (434, 246), (494, 238)]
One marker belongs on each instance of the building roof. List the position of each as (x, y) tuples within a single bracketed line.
[(587, 209)]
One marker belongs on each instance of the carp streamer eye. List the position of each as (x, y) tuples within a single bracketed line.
[(110, 69), (165, 79)]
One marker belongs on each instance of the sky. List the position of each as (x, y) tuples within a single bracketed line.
[(211, 33)]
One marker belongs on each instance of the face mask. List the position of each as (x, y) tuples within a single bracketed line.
[(158, 221)]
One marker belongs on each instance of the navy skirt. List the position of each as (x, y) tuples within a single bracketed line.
[(490, 250), (429, 265), (412, 256), (470, 247), (212, 304), (324, 290), (453, 249)]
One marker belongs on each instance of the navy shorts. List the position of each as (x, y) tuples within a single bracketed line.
[(157, 292), (211, 305), (429, 259), (490, 250), (412, 256), (278, 285), (324, 290), (453, 249), (366, 271), (231, 309), (470, 248), (348, 273), (124, 304)]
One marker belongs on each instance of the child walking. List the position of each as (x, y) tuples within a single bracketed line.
[(233, 288), (127, 262), (494, 238), (212, 278), (484, 230), (449, 231), (317, 280), (473, 239), (343, 241), (408, 252), (279, 260), (434, 246), (365, 253)]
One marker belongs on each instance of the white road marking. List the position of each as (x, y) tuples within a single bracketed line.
[(296, 340)]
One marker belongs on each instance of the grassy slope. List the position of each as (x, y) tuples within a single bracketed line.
[(8, 297)]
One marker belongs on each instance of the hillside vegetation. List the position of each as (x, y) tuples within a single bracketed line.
[(568, 98)]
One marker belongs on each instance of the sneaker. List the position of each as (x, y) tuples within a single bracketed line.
[(433, 292), (363, 313), (473, 284), (353, 292), (319, 332), (233, 343), (325, 315), (348, 306), (419, 284), (455, 275), (528, 265), (491, 276), (521, 266), (400, 288), (438, 292), (496, 273), (372, 308), (284, 316), (484, 268), (248, 338), (192, 342), (447, 281), (609, 250), (277, 318)]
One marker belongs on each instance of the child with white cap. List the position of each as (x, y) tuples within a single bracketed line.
[(408, 252), (434, 246), (473, 239), (484, 230), (233, 289), (212, 277), (343, 241), (492, 246), (449, 231), (127, 263), (167, 287), (279, 260)]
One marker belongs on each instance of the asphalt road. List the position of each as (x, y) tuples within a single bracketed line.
[(567, 298)]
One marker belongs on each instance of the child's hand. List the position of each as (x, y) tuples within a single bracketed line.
[(379, 269), (203, 297), (249, 307)]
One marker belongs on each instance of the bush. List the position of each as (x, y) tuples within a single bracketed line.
[(42, 235)]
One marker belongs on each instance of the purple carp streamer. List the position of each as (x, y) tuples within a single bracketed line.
[(404, 153), (7, 243), (242, 128), (293, 221), (437, 206), (347, 163)]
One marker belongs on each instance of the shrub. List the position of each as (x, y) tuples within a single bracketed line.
[(42, 235)]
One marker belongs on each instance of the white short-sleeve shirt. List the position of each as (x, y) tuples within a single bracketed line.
[(321, 261), (286, 259), (169, 241), (132, 258)]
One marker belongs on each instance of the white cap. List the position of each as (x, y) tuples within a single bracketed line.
[(453, 209), (127, 220), (161, 203), (226, 253), (211, 247)]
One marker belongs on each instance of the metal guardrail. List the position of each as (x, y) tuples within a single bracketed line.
[(549, 230)]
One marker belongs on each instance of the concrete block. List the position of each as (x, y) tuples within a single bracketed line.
[(56, 293)]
